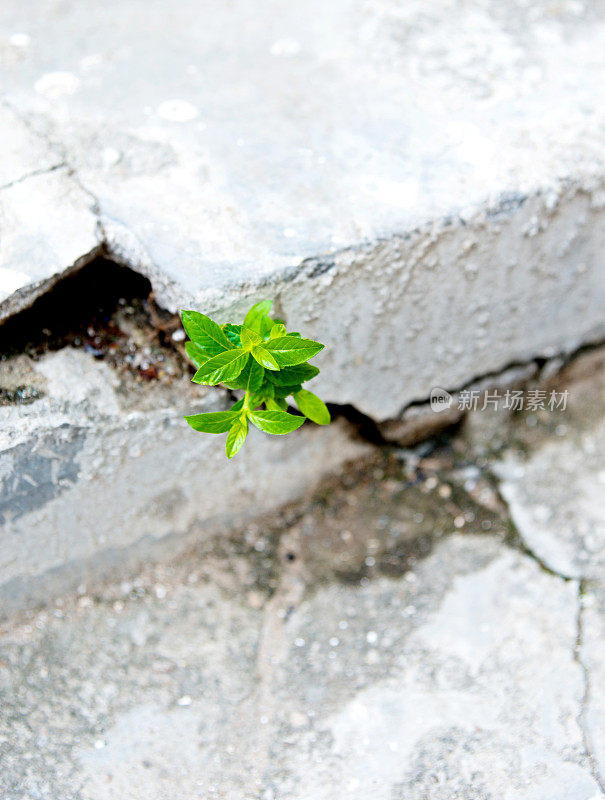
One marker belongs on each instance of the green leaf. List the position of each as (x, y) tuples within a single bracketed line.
[(236, 436), (196, 354), (286, 391), (277, 330), (249, 338), (291, 375), (213, 422), (278, 422), (237, 406), (255, 400), (281, 403), (205, 332), (289, 350), (254, 317), (272, 405), (232, 333), (251, 377), (267, 390), (265, 326), (264, 358), (312, 407), (222, 367)]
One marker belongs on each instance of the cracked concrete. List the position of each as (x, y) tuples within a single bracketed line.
[(562, 520), (445, 184), (38, 190), (588, 729), (432, 208), (591, 647), (92, 436), (389, 639)]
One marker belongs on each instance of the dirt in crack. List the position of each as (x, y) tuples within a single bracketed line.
[(377, 519), (109, 311)]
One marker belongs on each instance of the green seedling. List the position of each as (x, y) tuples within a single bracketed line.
[(262, 360)]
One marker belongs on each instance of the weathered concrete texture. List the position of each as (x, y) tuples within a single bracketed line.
[(48, 224), (382, 641), (592, 647), (90, 470), (555, 485), (438, 687), (426, 175), (457, 680)]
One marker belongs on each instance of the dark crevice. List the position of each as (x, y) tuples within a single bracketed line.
[(539, 361), (62, 316), (367, 429), (108, 310), (363, 426)]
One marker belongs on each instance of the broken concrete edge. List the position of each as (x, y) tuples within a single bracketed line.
[(389, 311), (84, 441), (418, 421), (124, 246), (24, 298), (392, 287), (90, 483)]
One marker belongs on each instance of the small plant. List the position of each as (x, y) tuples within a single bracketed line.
[(264, 361)]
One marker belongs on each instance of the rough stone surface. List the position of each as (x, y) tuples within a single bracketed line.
[(444, 192), (562, 518), (457, 680), (591, 650), (388, 640), (47, 221), (87, 473)]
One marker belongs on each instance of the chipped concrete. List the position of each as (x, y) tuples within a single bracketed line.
[(444, 193), (390, 638), (458, 679), (89, 475), (562, 519)]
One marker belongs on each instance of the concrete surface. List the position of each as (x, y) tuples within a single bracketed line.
[(99, 473), (390, 640), (432, 171), (562, 519), (49, 223)]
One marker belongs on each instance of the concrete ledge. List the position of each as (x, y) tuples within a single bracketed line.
[(87, 486), (429, 205)]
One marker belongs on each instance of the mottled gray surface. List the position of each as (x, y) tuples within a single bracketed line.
[(97, 470), (392, 639), (591, 652), (555, 488), (457, 680), (427, 175)]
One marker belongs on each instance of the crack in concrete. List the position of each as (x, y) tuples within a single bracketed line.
[(539, 361), (515, 538), (517, 542), (585, 700), (33, 174), (271, 654), (53, 146)]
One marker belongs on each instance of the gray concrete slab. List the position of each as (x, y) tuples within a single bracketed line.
[(96, 478), (432, 171), (457, 679), (392, 638), (562, 518)]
